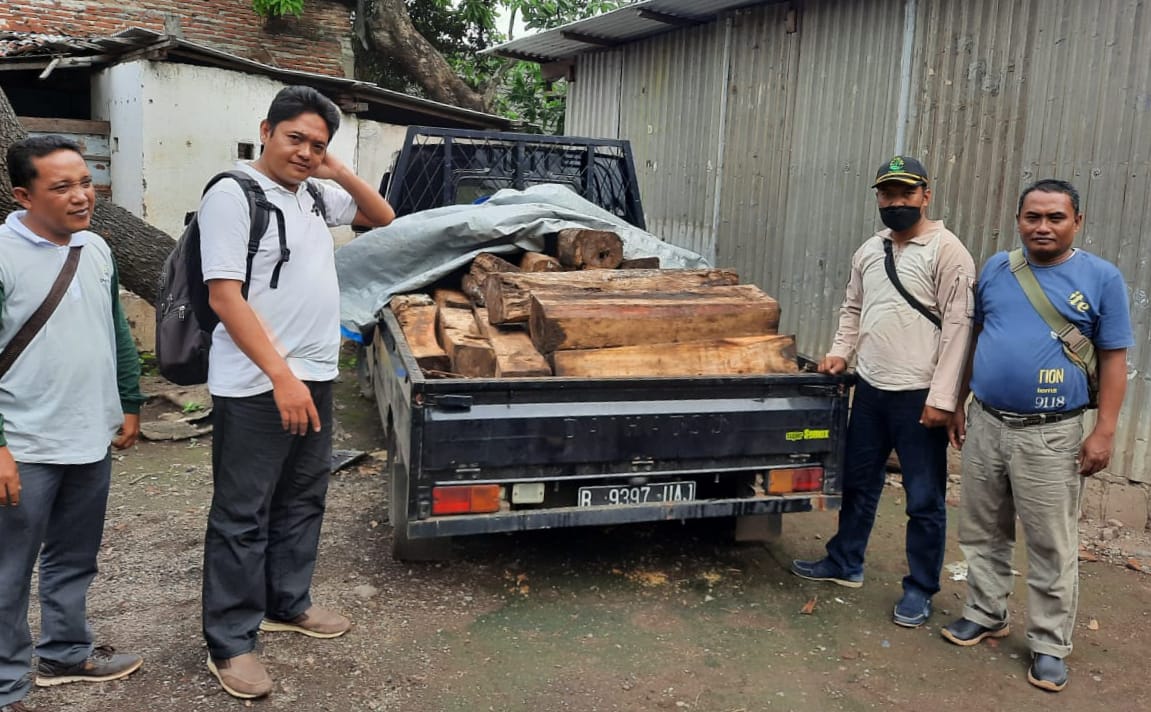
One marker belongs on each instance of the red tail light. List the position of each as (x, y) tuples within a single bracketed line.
[(466, 499), (800, 479)]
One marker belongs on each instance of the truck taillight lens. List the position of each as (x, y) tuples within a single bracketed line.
[(466, 499), (800, 479)]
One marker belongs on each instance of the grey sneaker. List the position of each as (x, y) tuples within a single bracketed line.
[(103, 665)]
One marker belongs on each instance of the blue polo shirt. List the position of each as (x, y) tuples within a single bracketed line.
[(1020, 365)]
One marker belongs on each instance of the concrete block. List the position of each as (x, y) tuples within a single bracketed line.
[(142, 319), (1128, 504), (1091, 503)]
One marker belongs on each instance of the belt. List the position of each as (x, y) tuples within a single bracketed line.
[(1022, 420)]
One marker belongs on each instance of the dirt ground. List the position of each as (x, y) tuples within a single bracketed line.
[(637, 618)]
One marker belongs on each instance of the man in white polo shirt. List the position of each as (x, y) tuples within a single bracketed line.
[(273, 359), (906, 318), (73, 391)]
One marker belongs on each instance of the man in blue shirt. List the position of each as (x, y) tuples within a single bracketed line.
[(1023, 446)]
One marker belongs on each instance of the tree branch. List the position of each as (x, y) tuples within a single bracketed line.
[(390, 30)]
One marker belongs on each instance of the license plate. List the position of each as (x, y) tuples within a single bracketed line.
[(636, 494)]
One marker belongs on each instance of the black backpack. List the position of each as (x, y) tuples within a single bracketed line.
[(184, 319)]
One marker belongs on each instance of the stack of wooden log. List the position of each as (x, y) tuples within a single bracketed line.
[(585, 312)]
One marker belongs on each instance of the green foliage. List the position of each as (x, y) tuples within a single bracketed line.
[(148, 365), (460, 30), (276, 8)]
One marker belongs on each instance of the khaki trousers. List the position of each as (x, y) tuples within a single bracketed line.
[(1029, 472)]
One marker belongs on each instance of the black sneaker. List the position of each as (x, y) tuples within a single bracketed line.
[(102, 665), (966, 632), (1047, 672)]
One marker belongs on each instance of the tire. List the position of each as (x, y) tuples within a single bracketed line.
[(364, 356), (403, 547)]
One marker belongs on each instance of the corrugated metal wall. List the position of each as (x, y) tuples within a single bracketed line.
[(847, 90), (593, 99), (1002, 92), (670, 108)]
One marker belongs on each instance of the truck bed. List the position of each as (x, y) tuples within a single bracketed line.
[(706, 446)]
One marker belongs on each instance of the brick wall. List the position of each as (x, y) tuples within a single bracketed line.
[(310, 43)]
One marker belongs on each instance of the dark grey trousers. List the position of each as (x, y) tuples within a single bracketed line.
[(60, 518), (264, 524)]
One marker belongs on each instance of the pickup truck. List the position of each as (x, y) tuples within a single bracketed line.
[(483, 455)]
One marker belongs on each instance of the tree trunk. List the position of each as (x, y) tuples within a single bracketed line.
[(139, 248), (390, 31)]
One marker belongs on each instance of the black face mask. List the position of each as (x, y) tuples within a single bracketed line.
[(900, 218)]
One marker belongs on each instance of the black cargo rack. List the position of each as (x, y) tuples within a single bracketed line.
[(439, 167)]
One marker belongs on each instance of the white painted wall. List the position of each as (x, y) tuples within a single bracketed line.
[(116, 99), (174, 126)]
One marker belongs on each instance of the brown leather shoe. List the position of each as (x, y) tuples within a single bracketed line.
[(243, 676), (316, 622), (18, 706)]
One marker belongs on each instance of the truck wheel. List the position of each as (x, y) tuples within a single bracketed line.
[(403, 548), (364, 356)]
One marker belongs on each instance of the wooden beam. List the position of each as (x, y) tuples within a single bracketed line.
[(640, 263), (592, 321), (516, 356), (416, 314), (41, 124), (743, 355), (668, 19), (471, 354), (508, 296)]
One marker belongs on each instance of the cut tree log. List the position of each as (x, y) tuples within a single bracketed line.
[(483, 264), (508, 296), (473, 288), (471, 354), (539, 262), (452, 299), (741, 355), (516, 356), (416, 314), (640, 263), (486, 263), (592, 321), (589, 249)]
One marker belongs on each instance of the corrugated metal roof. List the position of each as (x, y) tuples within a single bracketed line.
[(41, 51), (627, 24)]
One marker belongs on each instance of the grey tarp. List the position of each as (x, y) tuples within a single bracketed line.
[(419, 249)]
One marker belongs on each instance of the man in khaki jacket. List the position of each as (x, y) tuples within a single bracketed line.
[(909, 338)]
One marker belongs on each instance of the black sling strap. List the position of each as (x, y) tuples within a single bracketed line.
[(889, 265), (39, 318)]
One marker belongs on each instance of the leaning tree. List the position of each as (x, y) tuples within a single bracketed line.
[(139, 248)]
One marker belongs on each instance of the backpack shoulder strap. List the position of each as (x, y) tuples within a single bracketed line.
[(317, 198), (259, 208), (1079, 346)]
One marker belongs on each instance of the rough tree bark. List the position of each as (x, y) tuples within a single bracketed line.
[(139, 248), (390, 31)]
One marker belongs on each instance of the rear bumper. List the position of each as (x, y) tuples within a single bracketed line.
[(458, 525)]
